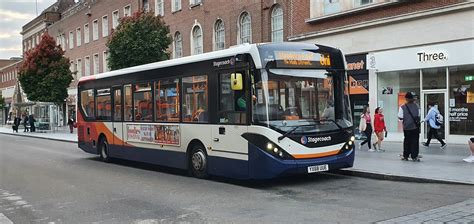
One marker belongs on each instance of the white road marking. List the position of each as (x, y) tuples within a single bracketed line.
[(4, 219)]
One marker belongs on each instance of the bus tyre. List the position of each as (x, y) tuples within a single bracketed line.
[(104, 150), (198, 162)]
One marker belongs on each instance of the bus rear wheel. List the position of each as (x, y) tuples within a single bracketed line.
[(198, 162), (104, 150)]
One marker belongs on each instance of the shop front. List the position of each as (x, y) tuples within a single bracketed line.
[(358, 76), (439, 73)]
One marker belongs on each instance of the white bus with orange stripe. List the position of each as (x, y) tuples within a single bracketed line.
[(255, 111)]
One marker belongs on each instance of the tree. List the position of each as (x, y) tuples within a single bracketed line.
[(140, 39), (45, 74)]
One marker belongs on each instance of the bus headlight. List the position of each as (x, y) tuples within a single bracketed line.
[(353, 138), (269, 146), (266, 145)]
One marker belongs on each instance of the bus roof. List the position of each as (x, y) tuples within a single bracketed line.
[(251, 49)]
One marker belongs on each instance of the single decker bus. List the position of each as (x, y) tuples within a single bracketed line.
[(254, 111)]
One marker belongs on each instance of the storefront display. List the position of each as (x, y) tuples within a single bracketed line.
[(461, 108)]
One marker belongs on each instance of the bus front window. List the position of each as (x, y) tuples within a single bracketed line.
[(286, 98)]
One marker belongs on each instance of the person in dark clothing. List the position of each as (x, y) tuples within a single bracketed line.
[(32, 120), (70, 123), (409, 113), (25, 123), (365, 117), (16, 124)]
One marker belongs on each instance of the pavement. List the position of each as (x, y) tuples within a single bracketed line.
[(436, 166)]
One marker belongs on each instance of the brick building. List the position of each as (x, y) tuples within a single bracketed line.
[(393, 47), (8, 79)]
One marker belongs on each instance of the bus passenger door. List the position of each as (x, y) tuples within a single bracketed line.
[(118, 116)]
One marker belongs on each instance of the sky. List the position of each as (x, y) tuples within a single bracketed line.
[(13, 15)]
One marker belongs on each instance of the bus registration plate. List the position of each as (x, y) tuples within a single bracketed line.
[(319, 168)]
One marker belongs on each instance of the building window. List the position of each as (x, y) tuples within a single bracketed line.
[(461, 91), (358, 3), (79, 68), (115, 19), (178, 45), (95, 30), (277, 24), (96, 64), (105, 60), (86, 33), (105, 26), (196, 40), (176, 5), (219, 35), (71, 39), (331, 6), (195, 2), (245, 30), (127, 11), (195, 99), (87, 66), (142, 102), (146, 5), (78, 37), (37, 39), (167, 100), (159, 8)]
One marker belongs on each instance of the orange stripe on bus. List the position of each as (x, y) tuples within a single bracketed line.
[(316, 155)]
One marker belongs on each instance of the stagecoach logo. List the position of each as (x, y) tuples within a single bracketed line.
[(230, 61), (305, 140)]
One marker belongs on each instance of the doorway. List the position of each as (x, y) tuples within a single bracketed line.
[(434, 97)]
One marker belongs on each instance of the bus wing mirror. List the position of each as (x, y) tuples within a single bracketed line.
[(236, 81)]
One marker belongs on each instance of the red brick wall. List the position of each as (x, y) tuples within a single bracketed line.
[(302, 12), (7, 80)]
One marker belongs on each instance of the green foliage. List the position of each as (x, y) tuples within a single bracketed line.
[(140, 39), (2, 102), (45, 75)]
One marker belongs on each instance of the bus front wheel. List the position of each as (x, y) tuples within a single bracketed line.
[(104, 150), (198, 162)]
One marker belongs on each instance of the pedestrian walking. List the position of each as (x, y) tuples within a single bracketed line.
[(70, 123), (409, 114), (433, 118), (25, 123), (366, 127), (470, 159), (379, 128), (16, 124), (32, 120)]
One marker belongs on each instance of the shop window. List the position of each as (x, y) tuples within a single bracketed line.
[(104, 104), (195, 99), (391, 90), (232, 103), (167, 100), (434, 78), (117, 105), (128, 112), (87, 103), (142, 102), (461, 100)]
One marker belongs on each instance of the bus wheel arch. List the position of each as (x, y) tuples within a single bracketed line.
[(197, 159), (103, 148)]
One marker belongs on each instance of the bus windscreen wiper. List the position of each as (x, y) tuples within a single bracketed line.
[(292, 130)]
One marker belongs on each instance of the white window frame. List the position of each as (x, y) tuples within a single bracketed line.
[(277, 31), (79, 68), (78, 37), (216, 37), (105, 66), (159, 7), (95, 29), (87, 65), (146, 7), (127, 10), (240, 38), (358, 3), (195, 2), (115, 19), (105, 26), (72, 67), (95, 63), (86, 33), (199, 41), (177, 44), (175, 5), (71, 39)]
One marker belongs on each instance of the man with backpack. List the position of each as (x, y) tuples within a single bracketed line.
[(409, 114), (434, 121)]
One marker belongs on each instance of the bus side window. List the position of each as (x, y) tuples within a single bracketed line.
[(195, 99), (128, 103), (232, 103)]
